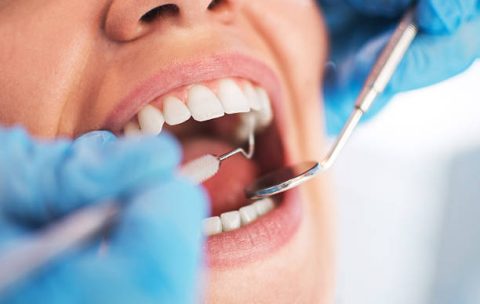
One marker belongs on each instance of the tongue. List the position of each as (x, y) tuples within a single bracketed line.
[(226, 188)]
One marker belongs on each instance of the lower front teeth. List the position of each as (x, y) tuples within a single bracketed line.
[(248, 214), (233, 220), (230, 220)]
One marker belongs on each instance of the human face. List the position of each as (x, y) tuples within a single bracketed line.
[(69, 67)]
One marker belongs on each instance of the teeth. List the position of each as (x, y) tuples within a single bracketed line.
[(232, 220), (150, 120), (263, 206), (248, 214), (232, 97), (252, 97), (175, 111), (243, 130), (265, 115), (262, 117), (132, 130), (203, 103), (212, 225)]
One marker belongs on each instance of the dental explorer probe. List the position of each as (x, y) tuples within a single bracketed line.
[(205, 167), (71, 232), (289, 177)]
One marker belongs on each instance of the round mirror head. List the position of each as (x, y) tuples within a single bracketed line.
[(281, 180)]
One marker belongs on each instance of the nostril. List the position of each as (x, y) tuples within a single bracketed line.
[(215, 4), (165, 10)]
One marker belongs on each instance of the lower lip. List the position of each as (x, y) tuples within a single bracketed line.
[(258, 239)]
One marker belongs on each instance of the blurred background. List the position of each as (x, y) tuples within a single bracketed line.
[(408, 200)]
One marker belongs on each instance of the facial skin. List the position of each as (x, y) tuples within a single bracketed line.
[(66, 65)]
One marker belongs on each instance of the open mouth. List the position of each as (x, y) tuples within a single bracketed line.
[(211, 116)]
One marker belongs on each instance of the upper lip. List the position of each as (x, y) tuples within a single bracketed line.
[(190, 72)]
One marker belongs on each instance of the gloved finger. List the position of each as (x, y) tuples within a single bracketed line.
[(49, 179), (433, 16), (165, 225), (424, 64), (9, 232), (154, 256), (95, 138), (343, 83), (441, 17), (434, 58)]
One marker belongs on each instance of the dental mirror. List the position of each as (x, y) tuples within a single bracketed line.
[(287, 178), (282, 180)]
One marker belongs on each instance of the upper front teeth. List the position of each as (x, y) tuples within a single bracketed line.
[(203, 104), (151, 120), (175, 111), (252, 97), (232, 97)]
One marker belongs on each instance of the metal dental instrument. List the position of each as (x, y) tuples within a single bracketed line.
[(28, 255), (289, 177), (203, 168)]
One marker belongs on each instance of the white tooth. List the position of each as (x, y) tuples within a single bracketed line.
[(265, 115), (203, 104), (175, 111), (248, 214), (212, 225), (150, 120), (245, 125), (232, 97), (252, 97), (230, 220), (264, 206), (132, 130)]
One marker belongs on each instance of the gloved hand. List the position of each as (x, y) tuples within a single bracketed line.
[(154, 251), (448, 43)]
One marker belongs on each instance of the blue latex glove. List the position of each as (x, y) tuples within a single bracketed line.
[(154, 251), (448, 43)]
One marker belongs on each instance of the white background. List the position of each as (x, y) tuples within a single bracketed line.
[(408, 200)]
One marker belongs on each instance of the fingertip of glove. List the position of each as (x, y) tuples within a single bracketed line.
[(13, 136), (176, 199), (164, 146), (116, 168), (95, 138), (444, 17)]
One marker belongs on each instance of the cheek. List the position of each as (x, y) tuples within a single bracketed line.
[(42, 57), (303, 38), (295, 31)]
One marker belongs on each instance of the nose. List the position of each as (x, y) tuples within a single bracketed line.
[(127, 20)]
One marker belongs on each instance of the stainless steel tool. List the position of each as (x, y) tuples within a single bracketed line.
[(292, 176)]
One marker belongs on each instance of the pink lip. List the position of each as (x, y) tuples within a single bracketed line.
[(257, 240), (190, 72)]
